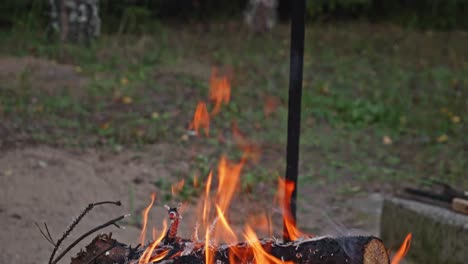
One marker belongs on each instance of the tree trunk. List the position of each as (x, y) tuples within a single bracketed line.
[(261, 15), (75, 21)]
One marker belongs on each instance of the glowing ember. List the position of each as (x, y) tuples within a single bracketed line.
[(145, 219), (403, 250), (201, 119), (177, 188), (260, 255), (220, 90), (147, 256)]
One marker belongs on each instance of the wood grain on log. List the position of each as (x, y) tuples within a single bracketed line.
[(321, 250)]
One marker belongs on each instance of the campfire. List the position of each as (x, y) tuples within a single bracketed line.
[(214, 239)]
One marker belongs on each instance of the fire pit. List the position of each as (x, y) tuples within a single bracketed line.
[(214, 239)]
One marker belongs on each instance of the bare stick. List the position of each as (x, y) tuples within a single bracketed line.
[(111, 222), (75, 222), (47, 237)]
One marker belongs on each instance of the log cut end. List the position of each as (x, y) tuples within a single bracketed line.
[(375, 253)]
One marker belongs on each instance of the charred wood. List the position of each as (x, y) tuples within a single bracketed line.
[(320, 250)]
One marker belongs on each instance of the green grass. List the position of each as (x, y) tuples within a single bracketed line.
[(361, 83)]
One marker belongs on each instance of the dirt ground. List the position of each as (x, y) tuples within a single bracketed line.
[(44, 184)]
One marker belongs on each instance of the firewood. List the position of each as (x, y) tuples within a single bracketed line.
[(320, 250)]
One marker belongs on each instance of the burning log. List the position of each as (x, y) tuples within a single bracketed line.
[(320, 250)]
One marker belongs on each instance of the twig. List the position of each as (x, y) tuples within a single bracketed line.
[(75, 222), (111, 222), (48, 237), (102, 253)]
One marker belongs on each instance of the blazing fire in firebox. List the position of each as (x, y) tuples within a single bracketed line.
[(213, 227)]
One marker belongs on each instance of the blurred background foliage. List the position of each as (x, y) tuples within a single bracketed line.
[(138, 15)]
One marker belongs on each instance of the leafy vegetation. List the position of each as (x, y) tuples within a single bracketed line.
[(379, 103)]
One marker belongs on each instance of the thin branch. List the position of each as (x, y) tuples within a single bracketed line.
[(111, 222), (118, 203), (47, 237), (102, 253), (75, 223), (48, 233)]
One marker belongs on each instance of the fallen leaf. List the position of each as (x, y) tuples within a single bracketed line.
[(184, 137), (455, 119), (124, 81), (127, 100), (325, 90), (78, 69), (139, 132), (386, 140), (105, 125), (155, 115), (39, 109), (442, 138)]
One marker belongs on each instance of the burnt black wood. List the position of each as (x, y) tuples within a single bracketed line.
[(294, 101)]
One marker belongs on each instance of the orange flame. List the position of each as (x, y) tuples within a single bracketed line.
[(160, 256), (228, 174), (260, 255), (208, 256), (147, 257), (263, 223), (250, 150), (220, 90), (201, 119), (206, 204), (230, 233), (285, 190), (403, 250), (177, 187), (145, 219)]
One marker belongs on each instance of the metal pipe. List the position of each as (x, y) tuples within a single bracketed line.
[(294, 102)]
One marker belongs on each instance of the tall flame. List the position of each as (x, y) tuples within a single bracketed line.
[(260, 255), (147, 256), (220, 90), (231, 236), (201, 119), (228, 175), (145, 219), (285, 190), (206, 200), (403, 250)]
